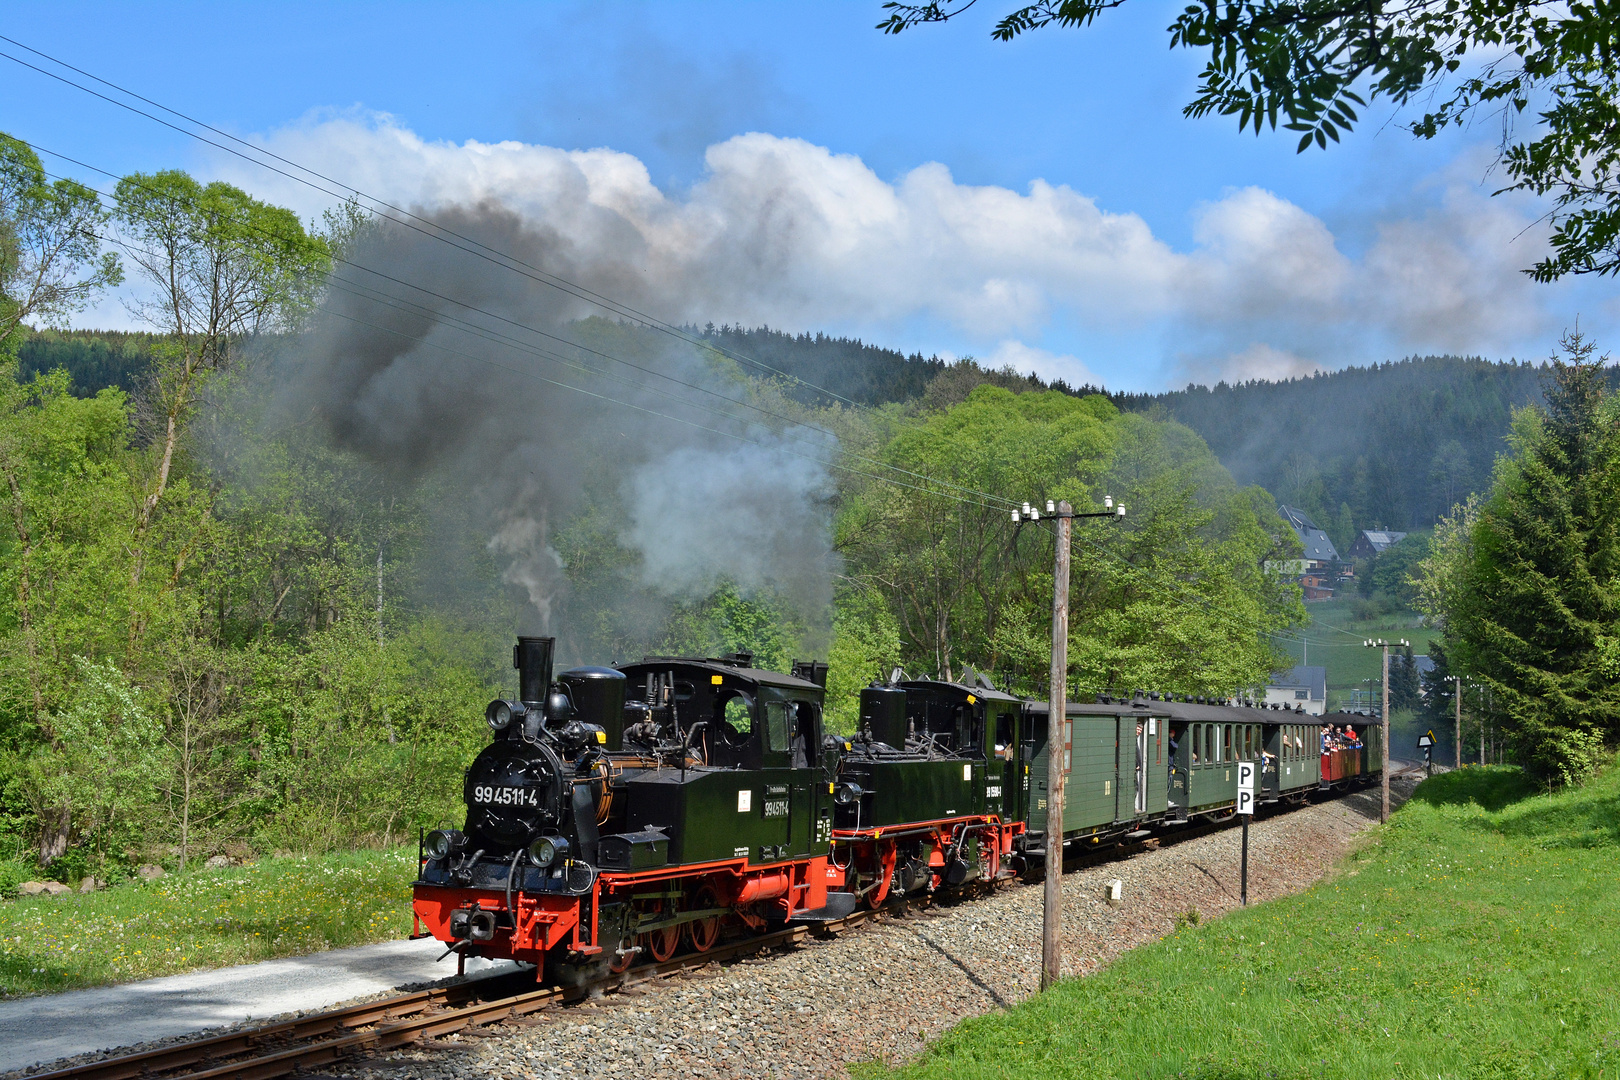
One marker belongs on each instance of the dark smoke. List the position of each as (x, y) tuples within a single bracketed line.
[(701, 498)]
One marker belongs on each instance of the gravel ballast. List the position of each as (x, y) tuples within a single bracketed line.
[(881, 991)]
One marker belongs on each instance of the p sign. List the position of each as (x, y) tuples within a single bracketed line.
[(1245, 791)]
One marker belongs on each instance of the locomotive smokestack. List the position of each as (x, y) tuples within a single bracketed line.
[(532, 658)]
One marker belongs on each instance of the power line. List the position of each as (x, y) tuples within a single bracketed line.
[(512, 263), (602, 397), (406, 217), (984, 499)]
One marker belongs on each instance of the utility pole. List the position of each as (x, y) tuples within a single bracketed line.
[(1057, 702), (1057, 715), (1383, 814), (1456, 681)]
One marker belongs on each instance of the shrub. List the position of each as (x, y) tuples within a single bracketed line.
[(12, 874)]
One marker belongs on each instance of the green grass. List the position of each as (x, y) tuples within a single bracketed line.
[(1478, 938), (276, 907), (1348, 662)]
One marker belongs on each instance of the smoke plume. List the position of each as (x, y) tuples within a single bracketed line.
[(432, 361)]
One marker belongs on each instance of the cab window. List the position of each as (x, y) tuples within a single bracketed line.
[(777, 725)]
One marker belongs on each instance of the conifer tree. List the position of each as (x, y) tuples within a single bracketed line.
[(1536, 619)]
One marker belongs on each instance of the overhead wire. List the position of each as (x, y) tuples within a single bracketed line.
[(984, 499), (511, 261), (408, 218), (513, 264), (778, 448)]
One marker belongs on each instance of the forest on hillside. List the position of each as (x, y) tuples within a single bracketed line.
[(1392, 445)]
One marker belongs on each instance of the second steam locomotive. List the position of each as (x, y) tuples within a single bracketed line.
[(621, 813)]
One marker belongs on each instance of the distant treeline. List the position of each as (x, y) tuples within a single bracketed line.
[(1392, 445), (93, 359), (852, 369)]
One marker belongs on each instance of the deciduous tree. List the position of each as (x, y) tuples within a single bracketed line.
[(1314, 65)]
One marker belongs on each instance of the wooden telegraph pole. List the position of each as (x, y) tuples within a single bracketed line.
[(1383, 814), (1057, 715), (1456, 682), (1057, 702)]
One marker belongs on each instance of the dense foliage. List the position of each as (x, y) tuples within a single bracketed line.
[(1526, 580), (93, 359), (222, 625), (1314, 63)]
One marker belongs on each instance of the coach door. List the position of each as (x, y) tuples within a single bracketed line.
[(1139, 802)]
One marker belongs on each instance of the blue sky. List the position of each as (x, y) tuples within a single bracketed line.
[(1042, 202)]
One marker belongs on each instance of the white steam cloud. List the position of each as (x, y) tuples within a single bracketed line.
[(783, 232)]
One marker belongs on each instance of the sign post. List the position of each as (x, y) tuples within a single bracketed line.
[(1426, 744), (1245, 807)]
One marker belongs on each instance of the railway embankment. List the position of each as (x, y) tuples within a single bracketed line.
[(882, 992), (178, 923), (1477, 938)]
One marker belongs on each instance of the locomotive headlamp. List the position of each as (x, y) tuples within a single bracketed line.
[(847, 793), (500, 714), (441, 842), (547, 850)]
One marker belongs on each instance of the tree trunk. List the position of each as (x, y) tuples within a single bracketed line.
[(55, 827)]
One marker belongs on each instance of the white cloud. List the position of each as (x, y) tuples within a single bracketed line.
[(1026, 358), (784, 232)]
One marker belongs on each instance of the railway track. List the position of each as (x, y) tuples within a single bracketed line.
[(420, 1017), (358, 1031)]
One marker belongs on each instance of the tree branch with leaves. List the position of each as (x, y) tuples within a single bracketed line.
[(1549, 73)]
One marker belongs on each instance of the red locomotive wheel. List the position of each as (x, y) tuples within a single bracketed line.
[(703, 933), (661, 943)]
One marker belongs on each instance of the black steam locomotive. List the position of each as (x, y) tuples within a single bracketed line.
[(621, 812)]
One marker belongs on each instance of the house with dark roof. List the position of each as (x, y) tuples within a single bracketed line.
[(1371, 542), (1301, 685), (1319, 550)]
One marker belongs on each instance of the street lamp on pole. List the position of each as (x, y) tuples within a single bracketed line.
[(1383, 814)]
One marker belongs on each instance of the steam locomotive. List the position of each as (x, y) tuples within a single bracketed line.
[(621, 812)]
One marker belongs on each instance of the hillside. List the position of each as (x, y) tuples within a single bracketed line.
[(1390, 445), (94, 359)]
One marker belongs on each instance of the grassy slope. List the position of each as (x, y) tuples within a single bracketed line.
[(277, 907), (1478, 938), (1348, 662)]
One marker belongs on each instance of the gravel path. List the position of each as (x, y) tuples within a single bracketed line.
[(805, 1012)]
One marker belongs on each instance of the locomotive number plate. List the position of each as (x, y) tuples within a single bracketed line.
[(993, 791), (776, 808), (486, 795)]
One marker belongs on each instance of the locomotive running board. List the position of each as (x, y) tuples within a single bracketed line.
[(839, 906)]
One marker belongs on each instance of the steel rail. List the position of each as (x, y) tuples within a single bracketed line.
[(424, 1014), (399, 1021)]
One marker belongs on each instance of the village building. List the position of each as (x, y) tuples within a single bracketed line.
[(1370, 543), (1301, 686)]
